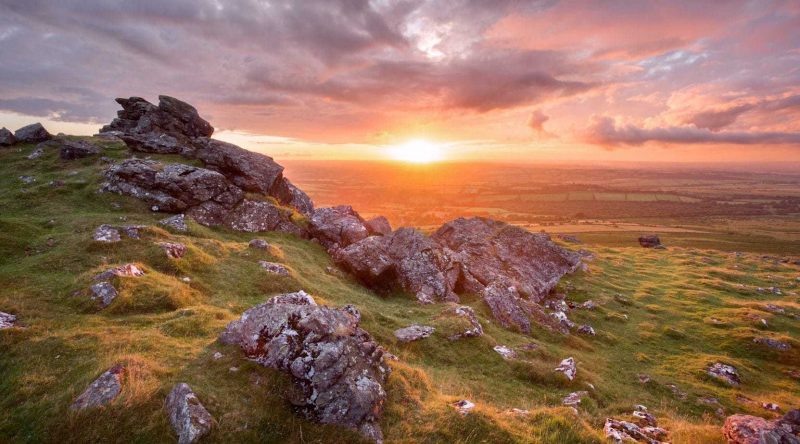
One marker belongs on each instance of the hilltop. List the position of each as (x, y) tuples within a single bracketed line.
[(103, 281)]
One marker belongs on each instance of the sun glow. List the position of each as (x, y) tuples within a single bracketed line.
[(417, 151)]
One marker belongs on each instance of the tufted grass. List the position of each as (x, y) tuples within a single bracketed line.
[(655, 317)]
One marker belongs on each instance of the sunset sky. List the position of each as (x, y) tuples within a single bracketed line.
[(477, 80)]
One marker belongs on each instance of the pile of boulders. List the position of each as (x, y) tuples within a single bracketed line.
[(642, 428), (33, 133)]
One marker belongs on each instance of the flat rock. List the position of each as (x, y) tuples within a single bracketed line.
[(724, 372), (623, 431), (102, 391), (574, 398), (33, 133), (176, 222), (77, 149), (190, 420), (7, 320), (337, 368), (568, 367), (413, 333), (7, 137), (173, 250), (106, 233), (274, 268), (505, 352)]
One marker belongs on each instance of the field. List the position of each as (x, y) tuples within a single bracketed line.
[(664, 313)]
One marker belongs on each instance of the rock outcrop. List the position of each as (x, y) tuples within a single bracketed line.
[(175, 127), (190, 420), (338, 370), (33, 133), (337, 227), (7, 137), (102, 391), (746, 429)]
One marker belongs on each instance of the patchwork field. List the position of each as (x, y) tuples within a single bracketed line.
[(724, 280)]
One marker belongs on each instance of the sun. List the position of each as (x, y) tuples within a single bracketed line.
[(417, 151)]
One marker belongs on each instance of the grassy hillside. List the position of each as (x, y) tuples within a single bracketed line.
[(667, 314)]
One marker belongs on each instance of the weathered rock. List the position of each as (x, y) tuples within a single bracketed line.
[(337, 369), (468, 325), (512, 311), (7, 137), (413, 333), (133, 231), (173, 250), (33, 133), (256, 216), (288, 194), (103, 292), (463, 406), (190, 420), (77, 149), (574, 398), (7, 320), (337, 227), (274, 268), (106, 233), (505, 352), (746, 429), (490, 251), (259, 244), (724, 372), (172, 117), (773, 343), (127, 270), (379, 226), (404, 259), (36, 153), (568, 367), (171, 187), (623, 431), (176, 222), (649, 241), (27, 180), (586, 330), (248, 170), (102, 391)]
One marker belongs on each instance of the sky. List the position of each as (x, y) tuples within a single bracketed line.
[(679, 81)]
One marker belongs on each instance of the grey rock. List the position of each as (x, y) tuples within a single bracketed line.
[(379, 226), (471, 325), (257, 216), (190, 420), (463, 406), (77, 149), (176, 222), (248, 170), (574, 398), (337, 227), (338, 370), (505, 352), (623, 431), (7, 137), (171, 117), (259, 244), (773, 343), (106, 233), (104, 292), (512, 311), (724, 372), (133, 231), (127, 270), (27, 180), (586, 330), (7, 320), (746, 429), (36, 153), (413, 333), (568, 367), (102, 391), (274, 268), (33, 133)]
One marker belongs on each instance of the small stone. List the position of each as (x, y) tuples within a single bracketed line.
[(133, 231), (649, 241), (773, 343), (274, 268), (173, 250), (127, 270), (774, 308), (676, 391), (505, 352), (7, 320), (260, 244), (413, 333), (588, 305), (102, 391), (190, 420), (568, 367), (36, 153), (106, 233), (234, 369), (176, 222), (463, 406), (574, 398), (645, 419), (724, 372), (217, 356), (586, 330), (103, 292), (771, 406), (27, 179), (186, 279)]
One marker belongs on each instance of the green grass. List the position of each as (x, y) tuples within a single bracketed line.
[(654, 318)]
